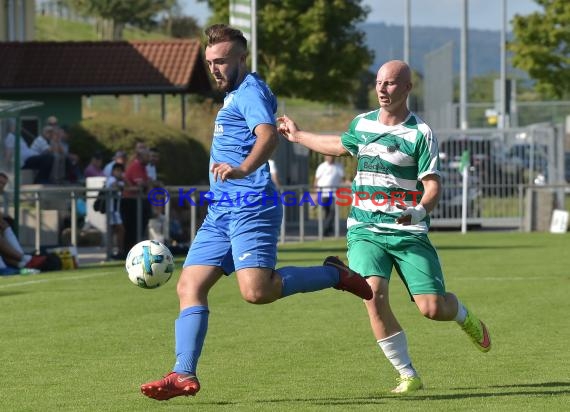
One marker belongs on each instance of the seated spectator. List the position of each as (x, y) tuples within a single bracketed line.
[(10, 147), (119, 157), (50, 156), (52, 121), (42, 158), (93, 169), (11, 252)]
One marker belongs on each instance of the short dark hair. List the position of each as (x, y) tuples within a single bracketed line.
[(219, 33), (4, 175), (118, 166)]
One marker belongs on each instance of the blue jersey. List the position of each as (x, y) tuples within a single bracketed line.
[(250, 105)]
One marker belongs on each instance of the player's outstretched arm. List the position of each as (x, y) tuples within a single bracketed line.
[(326, 144)]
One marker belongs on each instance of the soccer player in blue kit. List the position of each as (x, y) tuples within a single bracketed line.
[(241, 228)]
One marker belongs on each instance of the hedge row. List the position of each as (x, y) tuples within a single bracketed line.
[(183, 160)]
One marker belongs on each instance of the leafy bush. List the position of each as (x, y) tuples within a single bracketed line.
[(183, 160)]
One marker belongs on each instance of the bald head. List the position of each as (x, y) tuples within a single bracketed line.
[(396, 69), (393, 85)]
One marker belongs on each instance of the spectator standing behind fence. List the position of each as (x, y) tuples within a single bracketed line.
[(136, 184), (116, 182), (73, 172), (328, 177), (119, 157), (94, 169), (157, 221), (153, 159), (59, 150)]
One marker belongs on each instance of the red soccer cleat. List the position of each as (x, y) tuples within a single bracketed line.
[(350, 281), (172, 385)]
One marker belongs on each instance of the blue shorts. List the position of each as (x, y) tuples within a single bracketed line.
[(235, 239)]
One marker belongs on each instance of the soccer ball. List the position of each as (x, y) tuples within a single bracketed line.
[(149, 264)]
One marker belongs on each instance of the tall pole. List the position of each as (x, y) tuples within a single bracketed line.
[(503, 79), (463, 69), (254, 35), (407, 30)]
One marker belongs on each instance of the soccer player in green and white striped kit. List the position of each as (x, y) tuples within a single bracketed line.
[(396, 186)]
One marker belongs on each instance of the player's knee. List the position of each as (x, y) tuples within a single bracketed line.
[(182, 288), (429, 309), (257, 296), (187, 288)]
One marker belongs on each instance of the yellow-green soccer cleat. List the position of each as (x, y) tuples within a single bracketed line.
[(477, 331), (407, 385)]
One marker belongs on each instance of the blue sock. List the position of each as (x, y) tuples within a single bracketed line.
[(190, 331), (308, 279)]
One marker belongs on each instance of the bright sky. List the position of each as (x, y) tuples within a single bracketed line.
[(483, 14)]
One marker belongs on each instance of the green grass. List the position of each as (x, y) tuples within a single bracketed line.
[(84, 340)]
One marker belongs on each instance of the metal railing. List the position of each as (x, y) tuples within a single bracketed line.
[(303, 218)]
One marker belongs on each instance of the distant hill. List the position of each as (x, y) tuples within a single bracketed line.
[(387, 42)]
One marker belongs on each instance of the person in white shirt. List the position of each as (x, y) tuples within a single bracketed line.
[(153, 159), (30, 158), (328, 177), (10, 149)]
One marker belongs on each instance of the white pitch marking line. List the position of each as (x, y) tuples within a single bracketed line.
[(33, 282)]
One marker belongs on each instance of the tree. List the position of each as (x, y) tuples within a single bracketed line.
[(308, 48), (140, 13), (181, 27), (541, 47)]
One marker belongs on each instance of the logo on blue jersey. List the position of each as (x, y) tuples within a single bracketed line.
[(218, 129)]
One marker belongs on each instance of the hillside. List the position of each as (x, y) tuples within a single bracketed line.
[(387, 43), (49, 28), (385, 40)]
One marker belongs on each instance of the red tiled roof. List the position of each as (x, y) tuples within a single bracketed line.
[(106, 67)]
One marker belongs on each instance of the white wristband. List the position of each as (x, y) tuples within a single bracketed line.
[(417, 213)]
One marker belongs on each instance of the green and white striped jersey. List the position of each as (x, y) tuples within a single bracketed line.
[(392, 160)]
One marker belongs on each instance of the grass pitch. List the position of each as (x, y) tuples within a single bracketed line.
[(85, 340)]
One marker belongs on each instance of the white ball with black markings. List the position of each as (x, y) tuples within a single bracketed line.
[(150, 264)]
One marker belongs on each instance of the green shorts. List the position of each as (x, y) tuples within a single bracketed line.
[(412, 255)]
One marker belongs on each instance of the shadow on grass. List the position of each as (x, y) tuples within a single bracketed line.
[(382, 399), (526, 385), (4, 293)]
